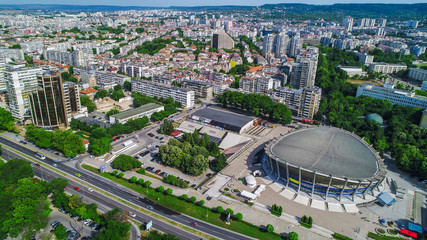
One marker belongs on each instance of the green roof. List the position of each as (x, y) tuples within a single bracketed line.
[(373, 116), (136, 111)]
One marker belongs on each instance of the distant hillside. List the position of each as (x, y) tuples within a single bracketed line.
[(71, 8), (337, 11)]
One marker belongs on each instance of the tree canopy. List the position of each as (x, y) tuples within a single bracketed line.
[(125, 162)]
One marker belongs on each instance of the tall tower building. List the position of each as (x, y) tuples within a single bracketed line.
[(348, 23), (20, 82), (268, 44), (2, 77), (304, 73), (295, 46), (310, 102), (383, 22), (281, 45), (222, 40), (53, 102)]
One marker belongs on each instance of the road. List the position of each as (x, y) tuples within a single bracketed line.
[(131, 197)]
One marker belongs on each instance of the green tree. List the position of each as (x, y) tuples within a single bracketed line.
[(238, 216), (61, 232), (220, 209), (58, 185), (125, 162), (293, 236), (133, 179), (192, 199), (6, 120), (127, 86), (101, 94), (184, 197), (169, 191), (14, 170), (112, 111), (100, 146), (270, 228), (220, 163), (85, 101), (160, 189), (147, 184)]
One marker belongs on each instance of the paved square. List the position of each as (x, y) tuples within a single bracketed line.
[(335, 207), (318, 204)]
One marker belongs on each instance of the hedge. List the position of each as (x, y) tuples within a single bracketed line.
[(341, 237)]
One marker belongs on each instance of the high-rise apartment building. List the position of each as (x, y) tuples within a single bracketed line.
[(151, 89), (303, 73), (53, 103), (412, 24), (383, 22), (202, 89), (222, 40), (2, 78), (268, 44), (295, 46), (258, 84), (310, 102), (348, 23), (20, 82), (11, 53), (281, 45)]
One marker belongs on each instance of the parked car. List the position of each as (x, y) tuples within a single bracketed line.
[(132, 214), (54, 223), (158, 171), (23, 142), (90, 189), (55, 165), (150, 207), (77, 188), (194, 224)]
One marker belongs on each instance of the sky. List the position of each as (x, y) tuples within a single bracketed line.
[(167, 3)]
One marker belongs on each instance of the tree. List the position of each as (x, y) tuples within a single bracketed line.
[(100, 146), (61, 232), (99, 133), (147, 184), (184, 197), (229, 211), (85, 101), (220, 209), (270, 228), (14, 170), (101, 94), (116, 226), (127, 86), (238, 216), (193, 199), (120, 175), (220, 163), (133, 179), (293, 236), (6, 120), (160, 189), (201, 203), (117, 94), (125, 162), (58, 185), (114, 173), (169, 191)]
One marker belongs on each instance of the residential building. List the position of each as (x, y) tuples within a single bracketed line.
[(281, 45), (412, 24), (2, 78), (423, 121), (268, 44), (383, 22), (365, 58), (222, 40), (386, 68), (20, 82), (11, 53), (418, 74), (106, 80), (424, 86), (310, 102), (144, 110), (291, 97), (348, 23), (258, 84), (202, 89), (395, 96), (295, 46), (151, 89), (303, 73)]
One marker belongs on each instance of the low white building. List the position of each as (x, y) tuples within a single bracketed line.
[(352, 71), (386, 68), (418, 74), (145, 110)]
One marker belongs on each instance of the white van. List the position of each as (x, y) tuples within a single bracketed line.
[(39, 155)]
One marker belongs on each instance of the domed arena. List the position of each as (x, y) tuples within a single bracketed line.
[(329, 162)]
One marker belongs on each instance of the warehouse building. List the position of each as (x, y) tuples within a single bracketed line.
[(145, 110)]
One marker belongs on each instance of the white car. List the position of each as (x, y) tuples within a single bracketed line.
[(90, 189), (132, 214), (55, 165)]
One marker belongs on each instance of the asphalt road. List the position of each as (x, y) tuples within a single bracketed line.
[(131, 197)]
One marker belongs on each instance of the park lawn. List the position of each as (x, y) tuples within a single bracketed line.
[(190, 209)]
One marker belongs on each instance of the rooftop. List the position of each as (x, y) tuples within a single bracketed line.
[(135, 111), (223, 116), (328, 151), (88, 91)]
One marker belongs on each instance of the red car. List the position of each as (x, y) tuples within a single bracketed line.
[(38, 165), (158, 171), (77, 188), (194, 224)]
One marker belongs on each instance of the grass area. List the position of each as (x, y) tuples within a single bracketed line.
[(359, 82), (202, 213), (383, 237), (340, 237)]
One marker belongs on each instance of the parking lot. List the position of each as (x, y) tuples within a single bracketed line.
[(77, 229)]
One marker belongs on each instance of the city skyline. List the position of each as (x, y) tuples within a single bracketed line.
[(189, 3)]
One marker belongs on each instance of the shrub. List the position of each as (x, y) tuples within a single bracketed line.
[(184, 197), (276, 210), (226, 189), (229, 210), (141, 181), (339, 237), (133, 179), (115, 172), (141, 171), (238, 217), (147, 183), (293, 236), (193, 199), (240, 179), (236, 190), (120, 175), (175, 181), (160, 189), (169, 191), (270, 228), (306, 222), (201, 202), (392, 231), (228, 195), (220, 209)]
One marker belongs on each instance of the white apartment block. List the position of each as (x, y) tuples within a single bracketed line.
[(108, 79), (395, 96), (418, 74), (151, 89), (2, 78), (424, 86), (386, 67), (310, 102), (365, 58), (258, 84), (20, 82), (11, 53)]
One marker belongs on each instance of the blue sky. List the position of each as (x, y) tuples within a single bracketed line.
[(166, 3)]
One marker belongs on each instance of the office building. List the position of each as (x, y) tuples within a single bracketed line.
[(144, 110), (20, 82), (202, 89), (348, 23), (54, 103), (418, 74), (386, 68), (395, 96), (151, 89), (303, 73), (222, 40)]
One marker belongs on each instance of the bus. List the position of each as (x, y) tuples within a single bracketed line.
[(39, 155)]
